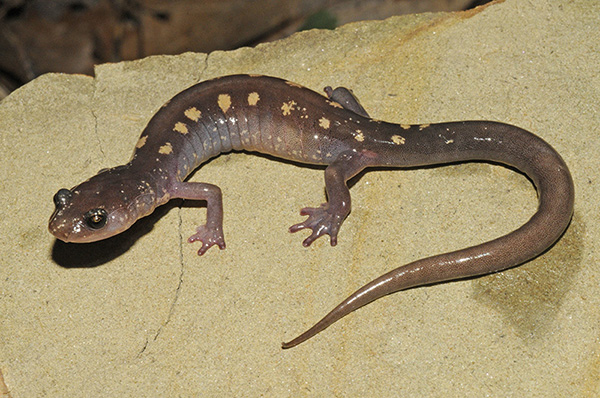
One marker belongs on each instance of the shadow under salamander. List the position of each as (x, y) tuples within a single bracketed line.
[(89, 255)]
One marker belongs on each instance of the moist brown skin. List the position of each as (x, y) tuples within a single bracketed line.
[(280, 118)]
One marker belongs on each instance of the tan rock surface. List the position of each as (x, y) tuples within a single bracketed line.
[(146, 316)]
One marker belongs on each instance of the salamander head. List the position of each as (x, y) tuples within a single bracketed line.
[(103, 206)]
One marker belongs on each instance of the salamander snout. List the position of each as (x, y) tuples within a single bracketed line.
[(88, 213), (103, 206), (78, 219), (70, 224)]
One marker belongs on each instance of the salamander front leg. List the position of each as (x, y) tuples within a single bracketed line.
[(211, 233), (327, 218)]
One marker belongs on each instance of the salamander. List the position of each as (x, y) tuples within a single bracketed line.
[(280, 118)]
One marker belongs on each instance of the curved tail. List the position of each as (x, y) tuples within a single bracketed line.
[(518, 148)]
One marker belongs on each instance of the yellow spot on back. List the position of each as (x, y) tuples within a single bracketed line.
[(423, 126), (141, 142), (398, 139), (181, 128), (166, 149), (287, 107), (405, 126), (360, 137), (324, 122), (224, 102), (193, 114), (334, 104), (253, 98)]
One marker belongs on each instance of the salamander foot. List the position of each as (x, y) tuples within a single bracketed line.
[(209, 237), (322, 221)]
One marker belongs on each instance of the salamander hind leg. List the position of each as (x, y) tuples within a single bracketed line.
[(327, 218), (346, 99), (211, 233)]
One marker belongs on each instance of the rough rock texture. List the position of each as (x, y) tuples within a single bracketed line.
[(143, 315)]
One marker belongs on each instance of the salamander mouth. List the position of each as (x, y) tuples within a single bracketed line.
[(69, 232), (68, 236), (79, 230)]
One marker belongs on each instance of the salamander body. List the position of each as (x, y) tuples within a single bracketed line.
[(273, 116)]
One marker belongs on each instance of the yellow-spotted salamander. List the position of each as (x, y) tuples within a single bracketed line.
[(280, 118)]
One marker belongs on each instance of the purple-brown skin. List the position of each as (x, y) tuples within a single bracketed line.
[(280, 118)]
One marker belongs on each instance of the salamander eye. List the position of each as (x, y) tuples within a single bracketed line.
[(95, 218), (62, 197)]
